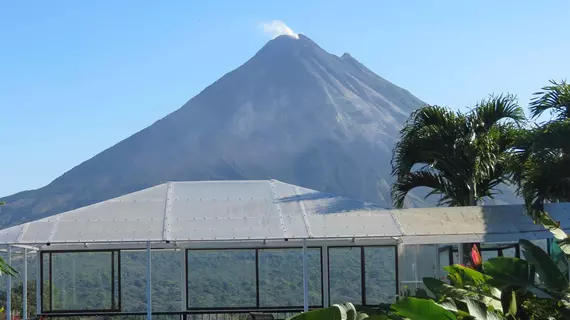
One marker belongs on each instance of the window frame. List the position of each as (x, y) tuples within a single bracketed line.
[(363, 269), (257, 306), (116, 294)]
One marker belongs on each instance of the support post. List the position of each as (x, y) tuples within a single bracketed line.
[(401, 275), (437, 265), (416, 269), (38, 283), (9, 287), (184, 278), (148, 282), (325, 273), (25, 287), (305, 278), (460, 253)]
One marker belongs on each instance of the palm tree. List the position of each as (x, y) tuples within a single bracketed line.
[(554, 98), (542, 163), (461, 157)]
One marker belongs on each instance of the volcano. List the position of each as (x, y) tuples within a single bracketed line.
[(293, 112)]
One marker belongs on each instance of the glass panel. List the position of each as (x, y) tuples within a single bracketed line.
[(167, 268), (542, 243), (166, 280), (510, 252), (133, 281), (426, 261), (221, 278), (455, 255), (3, 296), (281, 277), (407, 265), (82, 281), (345, 275), (380, 274), (444, 261), (489, 254), (46, 288)]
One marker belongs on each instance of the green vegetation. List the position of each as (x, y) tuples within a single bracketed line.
[(507, 288), (461, 157), (345, 311), (462, 171)]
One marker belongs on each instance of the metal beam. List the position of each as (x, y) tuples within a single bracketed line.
[(9, 288), (25, 286), (325, 275), (148, 282), (305, 278), (237, 244), (38, 282), (184, 278)]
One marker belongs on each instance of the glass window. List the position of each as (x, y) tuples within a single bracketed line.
[(133, 279), (221, 279), (46, 288), (489, 254), (380, 274), (510, 252), (81, 281), (166, 280), (281, 277), (345, 275)]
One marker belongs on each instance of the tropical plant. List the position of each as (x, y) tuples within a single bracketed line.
[(461, 157), (505, 288), (554, 98), (541, 165), (345, 311)]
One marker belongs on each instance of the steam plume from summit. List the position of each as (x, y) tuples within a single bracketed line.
[(277, 28)]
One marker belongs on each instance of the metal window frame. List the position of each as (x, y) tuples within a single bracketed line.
[(116, 306), (363, 269), (257, 306)]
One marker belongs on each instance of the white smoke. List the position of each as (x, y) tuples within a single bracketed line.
[(277, 28)]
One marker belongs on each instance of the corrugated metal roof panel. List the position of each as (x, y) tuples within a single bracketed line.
[(244, 210)]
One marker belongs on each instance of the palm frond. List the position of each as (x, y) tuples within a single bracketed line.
[(492, 110), (416, 179), (554, 98)]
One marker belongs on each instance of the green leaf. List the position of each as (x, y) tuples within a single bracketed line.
[(452, 305), (462, 276), (442, 289), (334, 313), (422, 309), (509, 302), (549, 273), (5, 268), (561, 237), (479, 311), (509, 271)]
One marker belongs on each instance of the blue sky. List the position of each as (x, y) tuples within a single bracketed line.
[(76, 77)]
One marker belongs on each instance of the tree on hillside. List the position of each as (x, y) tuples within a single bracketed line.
[(460, 157)]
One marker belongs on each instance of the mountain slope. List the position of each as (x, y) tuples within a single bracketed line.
[(293, 112)]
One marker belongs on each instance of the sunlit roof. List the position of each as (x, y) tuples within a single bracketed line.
[(268, 210)]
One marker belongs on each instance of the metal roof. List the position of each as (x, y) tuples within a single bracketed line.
[(236, 211)]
